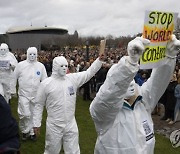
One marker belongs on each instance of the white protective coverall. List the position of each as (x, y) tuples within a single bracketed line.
[(123, 128), (58, 94), (7, 64), (29, 74)]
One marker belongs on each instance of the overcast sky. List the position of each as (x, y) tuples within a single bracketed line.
[(88, 17)]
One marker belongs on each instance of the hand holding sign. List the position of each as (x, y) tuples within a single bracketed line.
[(102, 48), (173, 47), (158, 27), (136, 48), (4, 64)]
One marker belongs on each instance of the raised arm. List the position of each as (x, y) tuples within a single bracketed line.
[(110, 97), (83, 77), (160, 77)]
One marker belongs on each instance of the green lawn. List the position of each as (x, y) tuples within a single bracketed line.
[(86, 132)]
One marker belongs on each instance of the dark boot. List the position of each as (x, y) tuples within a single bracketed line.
[(33, 137), (25, 136)]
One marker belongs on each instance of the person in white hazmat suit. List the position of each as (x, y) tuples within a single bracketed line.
[(122, 110), (29, 73), (8, 63), (58, 94)]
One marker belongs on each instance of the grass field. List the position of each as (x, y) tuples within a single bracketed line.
[(87, 133)]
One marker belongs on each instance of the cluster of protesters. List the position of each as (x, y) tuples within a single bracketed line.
[(77, 60), (125, 96)]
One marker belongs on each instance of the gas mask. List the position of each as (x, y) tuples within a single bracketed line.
[(60, 66), (131, 90), (32, 54), (4, 49)]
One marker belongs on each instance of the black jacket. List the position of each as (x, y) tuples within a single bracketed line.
[(9, 136)]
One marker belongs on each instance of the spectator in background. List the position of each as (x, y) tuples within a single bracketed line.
[(81, 67), (170, 100), (29, 73), (72, 68), (140, 77), (177, 106), (93, 85), (101, 76), (176, 70), (48, 65), (86, 86)]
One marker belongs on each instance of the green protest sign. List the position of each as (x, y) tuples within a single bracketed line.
[(158, 28)]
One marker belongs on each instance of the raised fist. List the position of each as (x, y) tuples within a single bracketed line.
[(173, 47), (136, 48)]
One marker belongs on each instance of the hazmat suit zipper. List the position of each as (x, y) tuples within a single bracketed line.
[(32, 82), (64, 100)]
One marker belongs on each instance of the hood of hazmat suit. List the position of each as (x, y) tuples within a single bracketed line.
[(60, 66), (4, 49)]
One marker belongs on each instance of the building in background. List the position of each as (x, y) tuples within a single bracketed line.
[(43, 38)]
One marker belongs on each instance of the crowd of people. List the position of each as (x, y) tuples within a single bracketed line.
[(52, 79)]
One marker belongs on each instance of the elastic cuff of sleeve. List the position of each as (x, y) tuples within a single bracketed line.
[(100, 59), (171, 57), (130, 62)]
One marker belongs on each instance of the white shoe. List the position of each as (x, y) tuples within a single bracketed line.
[(167, 120), (171, 122)]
